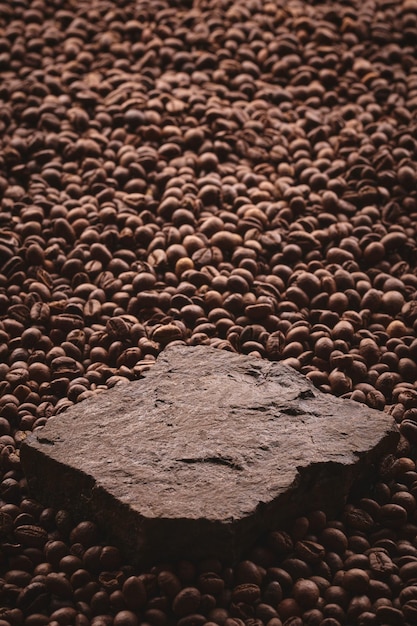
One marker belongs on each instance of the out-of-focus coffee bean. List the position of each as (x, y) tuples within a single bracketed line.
[(125, 618), (186, 602), (169, 584), (334, 539), (247, 572), (248, 593), (392, 515)]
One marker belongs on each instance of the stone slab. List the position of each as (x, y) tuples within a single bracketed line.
[(206, 452)]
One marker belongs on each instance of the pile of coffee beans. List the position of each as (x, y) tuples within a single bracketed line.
[(234, 173)]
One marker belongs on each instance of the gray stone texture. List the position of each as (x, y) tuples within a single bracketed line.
[(206, 452)]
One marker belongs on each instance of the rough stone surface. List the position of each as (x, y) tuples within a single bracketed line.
[(204, 454)]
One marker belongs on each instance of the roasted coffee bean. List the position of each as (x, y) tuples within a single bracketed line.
[(59, 585), (33, 598), (288, 608), (392, 515), (381, 564), (125, 618), (280, 542), (389, 615), (247, 572), (186, 602), (334, 539), (359, 520), (356, 581), (273, 593), (169, 584), (84, 533), (309, 551), (306, 593), (31, 535), (212, 583), (248, 593), (408, 571), (6, 523)]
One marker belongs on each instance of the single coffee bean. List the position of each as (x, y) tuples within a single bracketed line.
[(31, 535), (306, 593), (186, 602), (248, 593)]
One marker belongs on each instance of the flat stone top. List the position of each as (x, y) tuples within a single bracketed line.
[(208, 434)]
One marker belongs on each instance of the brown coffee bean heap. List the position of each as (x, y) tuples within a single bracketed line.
[(236, 173)]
